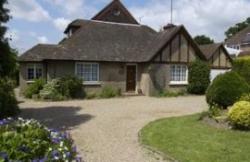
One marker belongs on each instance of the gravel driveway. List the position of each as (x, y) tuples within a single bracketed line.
[(107, 130)]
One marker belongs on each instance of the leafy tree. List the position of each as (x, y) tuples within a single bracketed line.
[(7, 54), (203, 39), (236, 28), (8, 103)]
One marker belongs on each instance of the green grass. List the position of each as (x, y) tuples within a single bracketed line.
[(188, 140)]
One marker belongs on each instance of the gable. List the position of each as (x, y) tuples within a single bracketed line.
[(220, 60), (115, 12), (178, 50)]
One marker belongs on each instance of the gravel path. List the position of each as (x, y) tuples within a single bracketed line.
[(107, 130)]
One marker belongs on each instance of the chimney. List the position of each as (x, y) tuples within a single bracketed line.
[(168, 26)]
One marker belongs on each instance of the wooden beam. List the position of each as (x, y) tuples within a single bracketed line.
[(179, 57), (188, 54)]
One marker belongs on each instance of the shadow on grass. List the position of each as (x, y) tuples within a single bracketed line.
[(62, 118)]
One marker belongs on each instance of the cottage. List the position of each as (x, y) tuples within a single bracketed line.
[(218, 58), (114, 49)]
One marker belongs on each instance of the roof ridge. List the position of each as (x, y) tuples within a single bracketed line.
[(116, 23)]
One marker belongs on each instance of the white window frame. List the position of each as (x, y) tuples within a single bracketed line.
[(179, 82), (35, 67), (97, 82)]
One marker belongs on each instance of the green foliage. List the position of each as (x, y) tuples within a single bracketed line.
[(8, 102), (28, 140), (239, 115), (51, 91), (237, 27), (171, 93), (109, 92), (245, 97), (214, 111), (198, 77), (34, 88), (8, 55), (202, 40), (56, 90), (242, 67), (226, 89), (71, 87)]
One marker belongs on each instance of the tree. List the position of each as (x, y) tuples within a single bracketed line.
[(203, 39), (236, 28), (8, 103), (7, 54)]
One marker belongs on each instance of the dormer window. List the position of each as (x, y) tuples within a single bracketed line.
[(70, 32), (117, 12)]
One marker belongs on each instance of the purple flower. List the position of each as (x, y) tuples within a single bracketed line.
[(74, 149), (56, 140), (78, 159), (55, 154), (4, 155), (68, 154)]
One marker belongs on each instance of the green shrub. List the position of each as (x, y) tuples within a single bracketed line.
[(171, 93), (109, 92), (8, 102), (71, 87), (214, 111), (28, 140), (226, 89), (51, 91), (198, 77), (34, 88), (245, 97), (242, 67), (239, 115)]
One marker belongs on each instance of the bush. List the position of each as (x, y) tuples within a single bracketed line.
[(226, 89), (8, 102), (71, 87), (242, 67), (109, 92), (28, 140), (171, 93), (239, 115), (51, 91), (199, 77), (245, 97), (34, 88)]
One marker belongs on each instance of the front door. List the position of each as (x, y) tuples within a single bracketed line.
[(131, 77)]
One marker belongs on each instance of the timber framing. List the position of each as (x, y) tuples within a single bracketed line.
[(178, 34)]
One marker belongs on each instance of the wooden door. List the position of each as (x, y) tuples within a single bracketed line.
[(131, 77)]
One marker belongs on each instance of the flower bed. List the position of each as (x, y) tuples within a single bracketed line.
[(28, 140)]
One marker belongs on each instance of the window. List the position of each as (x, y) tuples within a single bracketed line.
[(34, 72), (179, 74), (89, 72)]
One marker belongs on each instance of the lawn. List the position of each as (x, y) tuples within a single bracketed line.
[(187, 139)]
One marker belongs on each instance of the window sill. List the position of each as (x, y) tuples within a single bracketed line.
[(92, 83), (178, 83), (30, 81)]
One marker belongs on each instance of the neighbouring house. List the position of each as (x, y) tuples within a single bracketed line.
[(114, 49), (218, 58), (240, 42)]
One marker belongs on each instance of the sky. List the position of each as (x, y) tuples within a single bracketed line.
[(43, 21)]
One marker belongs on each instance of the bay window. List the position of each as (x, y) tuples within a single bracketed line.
[(179, 74)]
